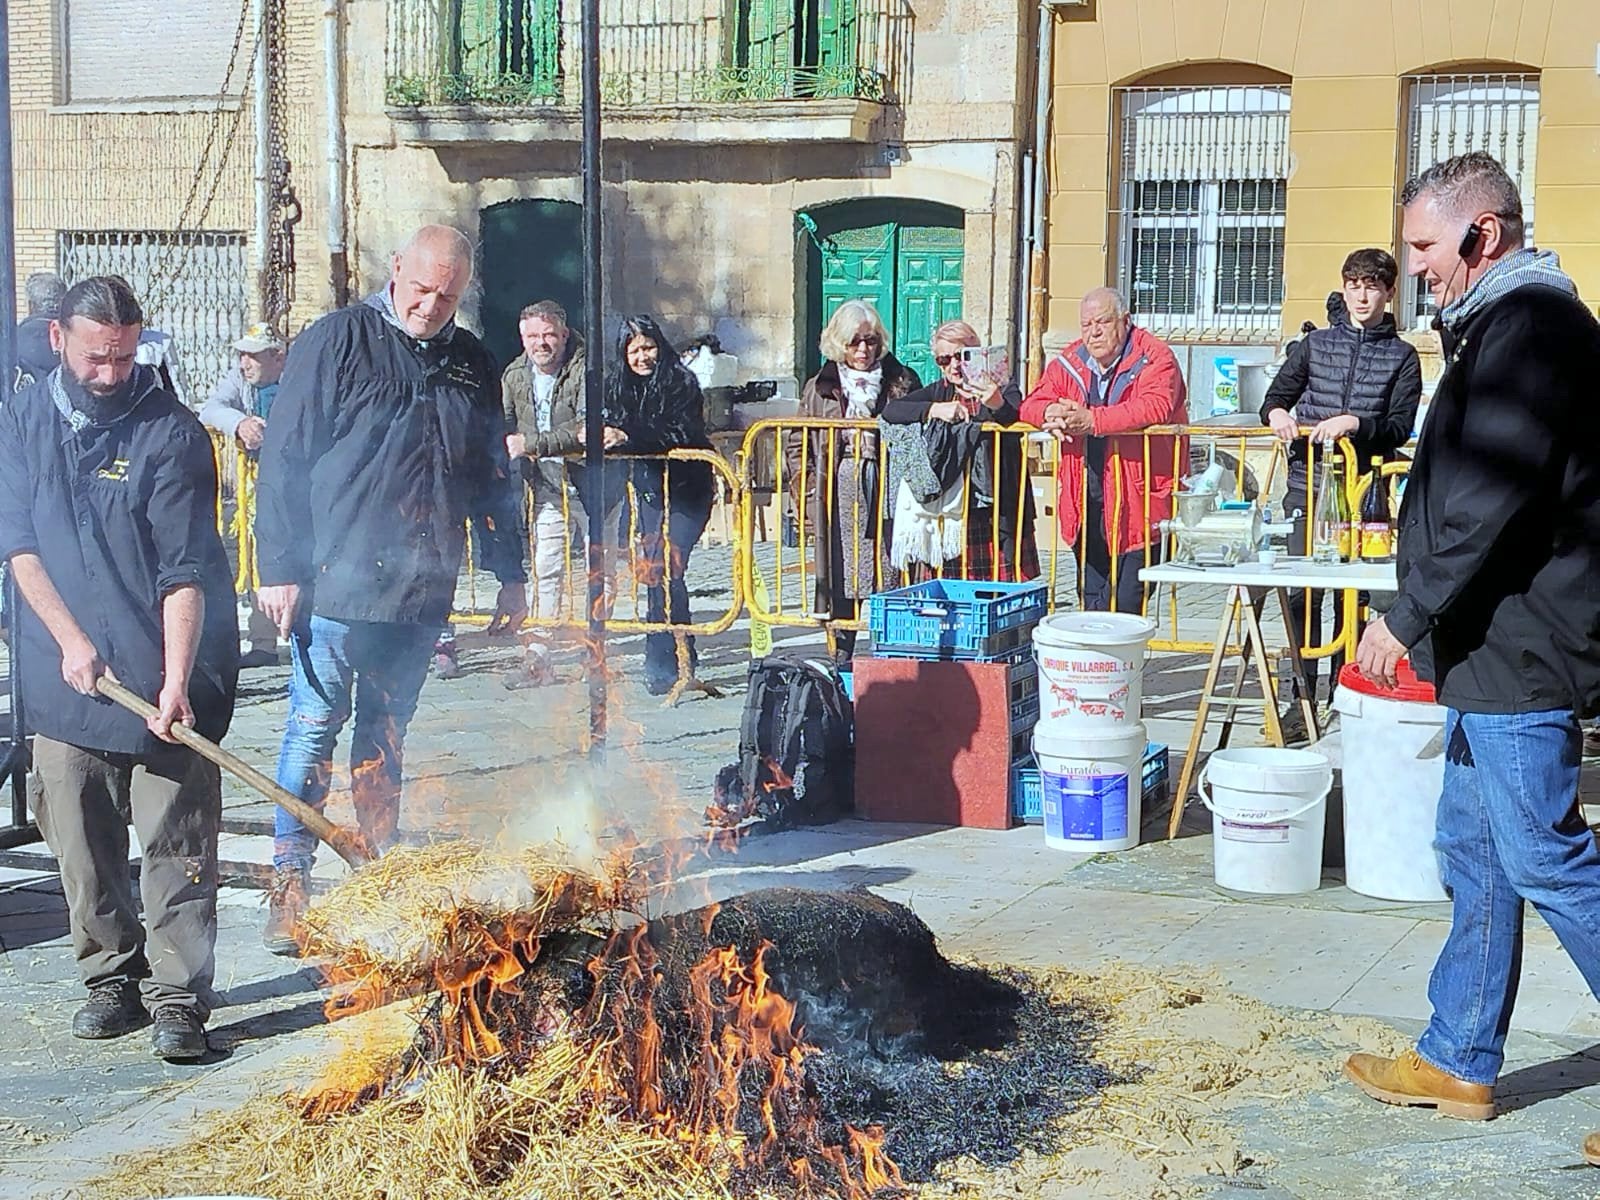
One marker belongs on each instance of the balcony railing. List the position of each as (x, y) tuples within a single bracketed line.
[(525, 53)]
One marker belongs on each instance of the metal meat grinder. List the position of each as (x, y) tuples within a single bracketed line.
[(1209, 531)]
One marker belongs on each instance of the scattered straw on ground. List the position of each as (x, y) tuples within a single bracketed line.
[(418, 907), (1188, 1050)]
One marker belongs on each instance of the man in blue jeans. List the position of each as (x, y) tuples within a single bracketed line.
[(1499, 556), (386, 437)]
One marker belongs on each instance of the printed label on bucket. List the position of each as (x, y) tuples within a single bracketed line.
[(1238, 831), (1094, 686), (1085, 808)]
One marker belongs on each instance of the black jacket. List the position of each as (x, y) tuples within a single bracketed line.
[(121, 514), (1499, 548), (379, 449), (35, 356), (663, 412), (1370, 374)]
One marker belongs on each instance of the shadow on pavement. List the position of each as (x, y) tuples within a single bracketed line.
[(1526, 1086)]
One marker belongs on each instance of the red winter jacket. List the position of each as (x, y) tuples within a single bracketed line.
[(1147, 389)]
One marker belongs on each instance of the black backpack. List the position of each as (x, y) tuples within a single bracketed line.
[(796, 746)]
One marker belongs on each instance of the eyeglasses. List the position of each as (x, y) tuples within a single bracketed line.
[(865, 339), (944, 360)]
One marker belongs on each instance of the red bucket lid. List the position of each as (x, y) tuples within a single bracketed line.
[(1407, 686)]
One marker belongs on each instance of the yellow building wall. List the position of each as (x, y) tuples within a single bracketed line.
[(1346, 62)]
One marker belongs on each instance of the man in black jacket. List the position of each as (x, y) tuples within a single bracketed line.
[(1498, 604), (1355, 379), (36, 354), (386, 437), (108, 521)]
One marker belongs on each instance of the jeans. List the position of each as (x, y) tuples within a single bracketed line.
[(1509, 830), (383, 666), (684, 520)]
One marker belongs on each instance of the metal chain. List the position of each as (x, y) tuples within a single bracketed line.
[(163, 275), (278, 276)]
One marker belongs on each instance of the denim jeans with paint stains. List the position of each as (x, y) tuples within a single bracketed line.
[(379, 666), (1509, 831)]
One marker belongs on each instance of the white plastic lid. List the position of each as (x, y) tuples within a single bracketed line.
[(1095, 628)]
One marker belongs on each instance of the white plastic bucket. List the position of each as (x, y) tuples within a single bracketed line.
[(1091, 669), (1268, 811), (1393, 776), (1090, 787)]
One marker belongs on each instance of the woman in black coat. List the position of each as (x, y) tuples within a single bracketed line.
[(653, 405)]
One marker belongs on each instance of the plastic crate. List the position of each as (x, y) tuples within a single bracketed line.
[(955, 618), (1027, 798)]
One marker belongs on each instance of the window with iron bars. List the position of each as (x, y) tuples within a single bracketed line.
[(193, 285), (1448, 115), (1201, 199)]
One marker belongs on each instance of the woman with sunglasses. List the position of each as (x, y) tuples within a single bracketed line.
[(838, 496), (956, 397)]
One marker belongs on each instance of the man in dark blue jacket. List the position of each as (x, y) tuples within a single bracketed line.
[(108, 521), (1499, 551), (386, 436)]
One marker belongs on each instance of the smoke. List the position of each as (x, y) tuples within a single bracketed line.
[(562, 812)]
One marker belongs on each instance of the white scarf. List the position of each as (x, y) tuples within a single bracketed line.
[(861, 389), (931, 533)]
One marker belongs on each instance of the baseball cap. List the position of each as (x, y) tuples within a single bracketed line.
[(258, 338)]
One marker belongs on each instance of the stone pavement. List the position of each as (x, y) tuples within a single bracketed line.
[(479, 756)]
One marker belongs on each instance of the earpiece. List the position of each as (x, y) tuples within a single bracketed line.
[(1470, 240)]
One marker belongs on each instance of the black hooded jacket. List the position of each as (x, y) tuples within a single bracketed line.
[(1499, 547), (661, 412), (1371, 374)]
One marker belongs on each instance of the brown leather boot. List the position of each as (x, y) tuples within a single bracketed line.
[(286, 904), (1412, 1080), (1591, 1149)]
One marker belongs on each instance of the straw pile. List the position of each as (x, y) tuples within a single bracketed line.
[(1175, 1056), (418, 911)]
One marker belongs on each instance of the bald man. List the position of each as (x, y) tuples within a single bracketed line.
[(386, 436)]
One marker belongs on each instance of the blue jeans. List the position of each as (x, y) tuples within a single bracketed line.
[(1509, 830), (383, 666)]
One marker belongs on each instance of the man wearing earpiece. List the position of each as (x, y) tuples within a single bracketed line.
[(1499, 554)]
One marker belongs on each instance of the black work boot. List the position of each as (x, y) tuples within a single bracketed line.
[(113, 1010), (178, 1034), (286, 904)]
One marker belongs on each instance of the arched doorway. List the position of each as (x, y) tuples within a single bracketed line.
[(531, 250), (905, 257)]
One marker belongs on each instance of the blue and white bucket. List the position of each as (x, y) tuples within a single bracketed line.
[(1091, 785)]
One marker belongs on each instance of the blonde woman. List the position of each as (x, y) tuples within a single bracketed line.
[(839, 504)]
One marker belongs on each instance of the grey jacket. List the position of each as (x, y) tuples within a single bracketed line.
[(565, 439), (230, 402)]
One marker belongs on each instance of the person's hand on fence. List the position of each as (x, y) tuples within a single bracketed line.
[(613, 437), (516, 445), (948, 410), (251, 432), (1283, 424), (279, 602), (1334, 428), (510, 610), (1379, 653), (1074, 420)]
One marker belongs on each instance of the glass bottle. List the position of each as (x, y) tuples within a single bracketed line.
[(1377, 519), (1348, 547), (1325, 527)]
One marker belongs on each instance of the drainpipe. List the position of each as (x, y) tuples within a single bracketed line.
[(1021, 263), (263, 159), (1042, 88), (333, 74)]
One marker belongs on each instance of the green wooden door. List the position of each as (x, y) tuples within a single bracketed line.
[(532, 250), (908, 267)]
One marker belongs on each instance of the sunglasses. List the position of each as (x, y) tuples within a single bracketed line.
[(865, 339), (944, 360)]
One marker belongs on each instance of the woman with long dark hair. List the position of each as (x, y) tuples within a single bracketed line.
[(653, 405)]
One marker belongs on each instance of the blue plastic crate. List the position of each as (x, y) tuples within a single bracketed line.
[(1027, 798), (955, 618)]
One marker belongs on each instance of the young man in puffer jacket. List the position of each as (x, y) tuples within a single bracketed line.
[(1355, 379)]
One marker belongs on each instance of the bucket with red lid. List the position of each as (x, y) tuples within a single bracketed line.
[(1393, 741)]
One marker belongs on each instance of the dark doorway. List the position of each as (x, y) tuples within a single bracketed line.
[(531, 250)]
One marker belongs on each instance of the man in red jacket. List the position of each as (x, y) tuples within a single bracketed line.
[(1096, 396)]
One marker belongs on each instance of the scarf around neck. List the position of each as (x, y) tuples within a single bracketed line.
[(1519, 269), (861, 390)]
